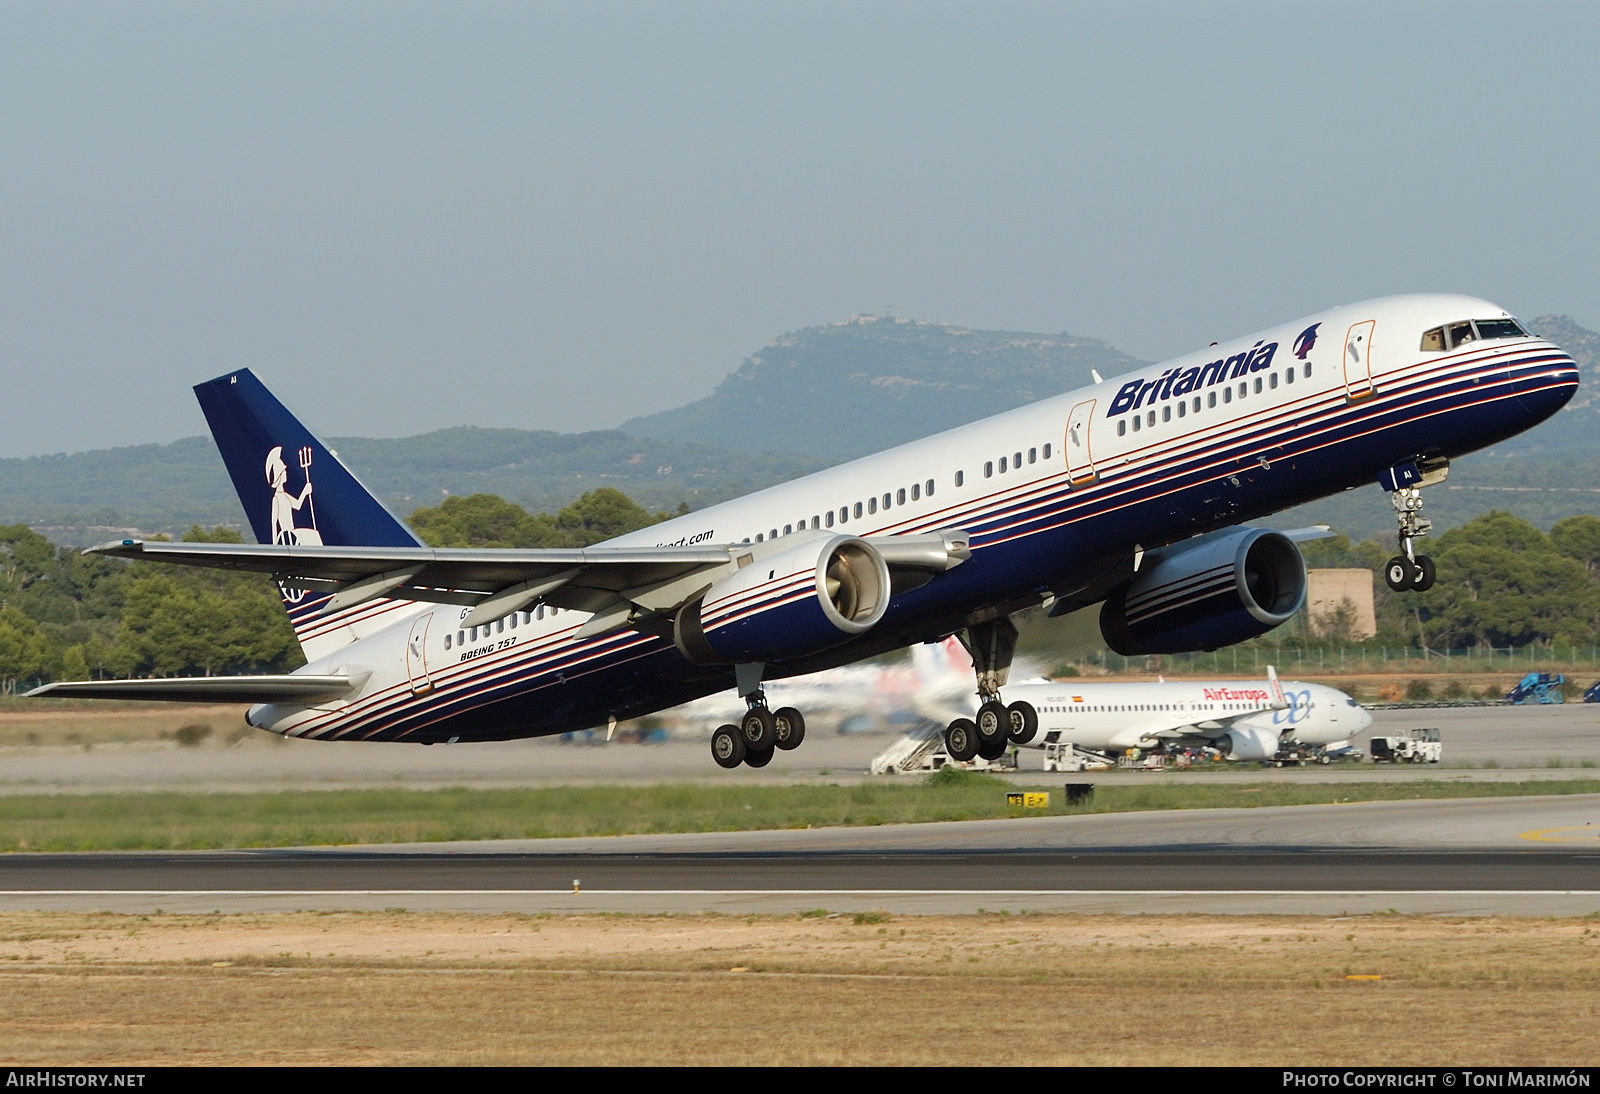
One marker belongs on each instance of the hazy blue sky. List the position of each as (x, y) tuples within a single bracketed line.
[(557, 216)]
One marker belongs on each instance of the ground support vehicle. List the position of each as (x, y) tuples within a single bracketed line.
[(1540, 687), (1417, 746), (1065, 756)]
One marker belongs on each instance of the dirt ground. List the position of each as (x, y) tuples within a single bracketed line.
[(399, 987)]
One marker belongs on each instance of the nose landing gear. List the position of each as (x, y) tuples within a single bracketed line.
[(1409, 570)]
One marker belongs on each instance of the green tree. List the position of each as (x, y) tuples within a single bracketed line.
[(25, 653), (487, 520), (1579, 538)]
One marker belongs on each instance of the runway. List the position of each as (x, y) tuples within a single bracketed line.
[(1515, 856)]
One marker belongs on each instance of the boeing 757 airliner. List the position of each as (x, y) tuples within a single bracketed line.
[(1132, 493)]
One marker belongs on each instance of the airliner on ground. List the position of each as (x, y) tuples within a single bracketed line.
[(1131, 493), (1243, 719)]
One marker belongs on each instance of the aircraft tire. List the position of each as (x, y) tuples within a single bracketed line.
[(1024, 722), (758, 729), (992, 750), (727, 746), (961, 740), (1398, 573), (790, 727), (1423, 575), (758, 759), (993, 722)]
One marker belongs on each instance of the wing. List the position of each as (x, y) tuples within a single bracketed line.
[(303, 688), (619, 585)]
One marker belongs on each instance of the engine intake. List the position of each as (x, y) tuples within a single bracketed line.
[(1248, 743), (1213, 591), (795, 602)]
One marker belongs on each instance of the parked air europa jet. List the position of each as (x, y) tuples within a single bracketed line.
[(1131, 493)]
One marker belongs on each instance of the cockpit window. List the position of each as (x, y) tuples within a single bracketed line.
[(1500, 328), (1458, 334)]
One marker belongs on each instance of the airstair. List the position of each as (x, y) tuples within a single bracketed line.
[(910, 752)]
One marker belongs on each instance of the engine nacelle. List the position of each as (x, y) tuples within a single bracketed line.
[(792, 603), (1248, 743), (1210, 592)]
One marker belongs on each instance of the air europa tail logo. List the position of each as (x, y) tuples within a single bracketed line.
[(1181, 381)]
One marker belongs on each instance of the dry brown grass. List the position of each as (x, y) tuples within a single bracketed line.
[(433, 988), (28, 723)]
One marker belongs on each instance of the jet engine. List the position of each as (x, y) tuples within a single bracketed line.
[(1248, 743), (795, 602), (1211, 591)]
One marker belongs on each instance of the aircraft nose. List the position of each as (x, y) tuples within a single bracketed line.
[(1546, 384)]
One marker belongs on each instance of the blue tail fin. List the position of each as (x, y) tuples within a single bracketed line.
[(274, 461)]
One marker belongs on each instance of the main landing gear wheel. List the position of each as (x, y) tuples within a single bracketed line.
[(727, 746), (1024, 722), (759, 730), (758, 759), (1422, 574), (992, 750), (994, 724), (789, 726), (961, 740)]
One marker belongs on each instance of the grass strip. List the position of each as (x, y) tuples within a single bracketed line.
[(291, 818)]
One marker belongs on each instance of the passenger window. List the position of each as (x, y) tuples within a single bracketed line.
[(858, 510), (787, 528), (1183, 407), (916, 491), (1152, 420), (988, 469), (886, 502), (829, 516), (1307, 373), (447, 641), (1002, 465), (1211, 400), (872, 505), (1499, 328), (1272, 381), (900, 496), (758, 537), (1138, 420), (1033, 455), (1047, 452), (1227, 394), (1460, 334), (514, 616), (1166, 414), (499, 626), (772, 534), (1122, 429), (844, 514), (1016, 461), (1288, 375), (816, 522), (961, 478), (928, 486), (1433, 340), (461, 638), (1258, 385), (1244, 389)]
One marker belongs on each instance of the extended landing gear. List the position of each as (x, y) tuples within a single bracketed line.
[(761, 732), (1409, 571), (996, 726)]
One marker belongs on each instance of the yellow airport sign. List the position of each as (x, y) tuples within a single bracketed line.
[(1029, 800)]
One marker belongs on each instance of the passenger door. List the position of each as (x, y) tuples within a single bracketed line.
[(1358, 360), (417, 655), (1080, 461)]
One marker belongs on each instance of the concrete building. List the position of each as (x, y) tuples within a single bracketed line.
[(1339, 604)]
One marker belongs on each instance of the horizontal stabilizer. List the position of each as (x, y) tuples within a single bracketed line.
[(206, 689)]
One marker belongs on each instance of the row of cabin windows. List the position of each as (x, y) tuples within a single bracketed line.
[(1114, 708), (1452, 335), (1009, 463), (1187, 406), (889, 500), (472, 634)]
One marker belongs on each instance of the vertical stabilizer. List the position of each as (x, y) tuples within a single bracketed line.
[(295, 491)]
